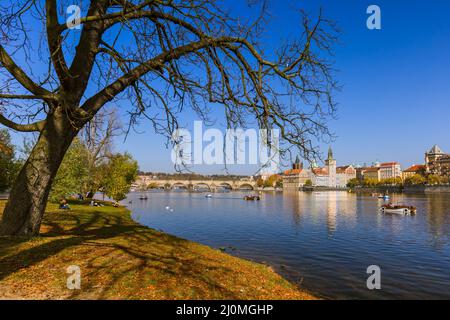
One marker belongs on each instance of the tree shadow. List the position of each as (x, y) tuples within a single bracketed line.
[(131, 250)]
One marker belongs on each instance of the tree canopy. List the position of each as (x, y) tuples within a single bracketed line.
[(121, 172), (163, 57), (8, 163)]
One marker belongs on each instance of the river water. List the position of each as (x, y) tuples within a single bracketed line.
[(323, 240)]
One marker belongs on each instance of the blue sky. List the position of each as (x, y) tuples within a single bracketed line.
[(395, 100)]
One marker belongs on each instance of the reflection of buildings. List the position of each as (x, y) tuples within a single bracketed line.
[(299, 203), (331, 212), (438, 218), (437, 162), (342, 206), (326, 209), (327, 176)]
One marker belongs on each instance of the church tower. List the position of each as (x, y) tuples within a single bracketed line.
[(297, 164), (331, 168)]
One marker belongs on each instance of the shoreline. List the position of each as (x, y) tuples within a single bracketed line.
[(122, 259)]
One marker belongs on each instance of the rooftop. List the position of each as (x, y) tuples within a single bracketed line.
[(292, 172), (388, 164), (435, 150), (415, 168)]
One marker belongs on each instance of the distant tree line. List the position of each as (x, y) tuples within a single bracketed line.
[(89, 164), (417, 179)]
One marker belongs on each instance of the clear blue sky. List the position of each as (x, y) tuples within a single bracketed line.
[(395, 101)]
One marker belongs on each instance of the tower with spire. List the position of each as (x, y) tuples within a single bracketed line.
[(330, 164), (297, 164)]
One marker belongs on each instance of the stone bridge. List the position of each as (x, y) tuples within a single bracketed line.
[(210, 184)]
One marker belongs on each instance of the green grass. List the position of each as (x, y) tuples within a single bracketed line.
[(121, 259)]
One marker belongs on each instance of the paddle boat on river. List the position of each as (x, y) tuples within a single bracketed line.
[(398, 209)]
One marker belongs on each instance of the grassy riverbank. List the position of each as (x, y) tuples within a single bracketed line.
[(120, 259)]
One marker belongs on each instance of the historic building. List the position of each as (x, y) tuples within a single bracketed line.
[(372, 173), (380, 171), (413, 170), (330, 165), (344, 174), (390, 170), (329, 176), (437, 162), (295, 178)]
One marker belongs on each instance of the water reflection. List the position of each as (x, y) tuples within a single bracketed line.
[(327, 239), (438, 220)]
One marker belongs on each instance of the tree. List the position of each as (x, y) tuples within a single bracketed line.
[(371, 182), (271, 180), (122, 171), (160, 57), (260, 183), (152, 185), (434, 179), (73, 172), (97, 137), (308, 183), (396, 181), (354, 182), (8, 163), (415, 180)]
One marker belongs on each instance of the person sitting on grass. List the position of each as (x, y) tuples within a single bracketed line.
[(63, 204), (95, 204)]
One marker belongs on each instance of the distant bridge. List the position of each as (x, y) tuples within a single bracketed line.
[(144, 182)]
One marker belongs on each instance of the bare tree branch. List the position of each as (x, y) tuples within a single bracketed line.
[(21, 76), (32, 127)]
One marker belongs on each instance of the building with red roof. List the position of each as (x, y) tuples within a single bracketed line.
[(413, 170)]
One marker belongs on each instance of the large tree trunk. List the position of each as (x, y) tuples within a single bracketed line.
[(28, 198)]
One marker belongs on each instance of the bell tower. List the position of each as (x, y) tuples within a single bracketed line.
[(330, 164), (297, 164)]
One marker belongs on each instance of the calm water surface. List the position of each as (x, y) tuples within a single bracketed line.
[(323, 240)]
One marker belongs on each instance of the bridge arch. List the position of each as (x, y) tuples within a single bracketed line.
[(246, 186), (225, 185), (201, 185), (179, 185)]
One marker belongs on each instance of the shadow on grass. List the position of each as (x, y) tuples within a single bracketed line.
[(118, 257)]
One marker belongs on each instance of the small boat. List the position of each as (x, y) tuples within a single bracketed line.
[(143, 198), (398, 209), (209, 195), (252, 198)]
